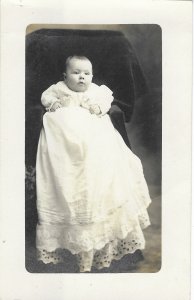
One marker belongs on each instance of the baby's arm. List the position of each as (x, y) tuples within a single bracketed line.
[(105, 100), (50, 99)]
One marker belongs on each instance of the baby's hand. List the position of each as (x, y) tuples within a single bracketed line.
[(95, 109), (55, 106), (66, 100)]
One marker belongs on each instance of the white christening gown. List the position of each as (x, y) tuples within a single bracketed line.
[(92, 197)]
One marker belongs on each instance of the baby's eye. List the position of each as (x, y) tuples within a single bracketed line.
[(87, 73), (75, 72)]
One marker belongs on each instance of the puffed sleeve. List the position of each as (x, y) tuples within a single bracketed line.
[(49, 97), (105, 99)]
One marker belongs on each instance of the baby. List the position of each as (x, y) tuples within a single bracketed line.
[(77, 89), (92, 197)]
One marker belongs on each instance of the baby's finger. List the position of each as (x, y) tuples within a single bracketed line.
[(97, 110), (91, 110)]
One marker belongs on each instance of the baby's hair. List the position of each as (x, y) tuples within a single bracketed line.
[(79, 57)]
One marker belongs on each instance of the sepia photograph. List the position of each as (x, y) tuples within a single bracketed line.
[(93, 148), (95, 129)]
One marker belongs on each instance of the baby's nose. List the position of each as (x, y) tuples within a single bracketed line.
[(81, 76)]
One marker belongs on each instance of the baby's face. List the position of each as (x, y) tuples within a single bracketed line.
[(78, 75)]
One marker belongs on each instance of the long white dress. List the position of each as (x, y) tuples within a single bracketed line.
[(92, 197)]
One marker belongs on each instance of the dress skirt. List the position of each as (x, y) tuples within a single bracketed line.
[(92, 197)]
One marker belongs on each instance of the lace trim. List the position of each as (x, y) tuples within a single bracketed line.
[(114, 250), (85, 237)]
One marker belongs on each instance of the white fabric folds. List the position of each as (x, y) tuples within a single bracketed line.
[(90, 186)]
